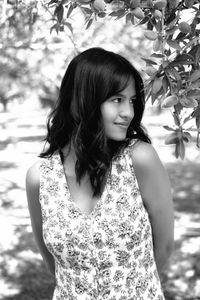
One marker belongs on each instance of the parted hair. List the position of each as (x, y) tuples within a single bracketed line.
[(91, 78)]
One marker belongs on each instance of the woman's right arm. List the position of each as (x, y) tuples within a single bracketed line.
[(156, 193), (32, 191)]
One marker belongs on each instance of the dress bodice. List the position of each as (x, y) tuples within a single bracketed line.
[(107, 254)]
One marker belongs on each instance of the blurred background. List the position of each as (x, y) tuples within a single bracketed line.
[(32, 63)]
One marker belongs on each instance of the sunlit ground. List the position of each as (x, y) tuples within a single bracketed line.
[(22, 273)]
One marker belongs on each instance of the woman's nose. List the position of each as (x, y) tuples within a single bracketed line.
[(127, 110)]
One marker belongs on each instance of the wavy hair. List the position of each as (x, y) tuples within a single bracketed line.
[(90, 79)]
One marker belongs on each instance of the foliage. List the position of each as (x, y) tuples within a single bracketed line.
[(26, 51), (172, 69), (15, 36)]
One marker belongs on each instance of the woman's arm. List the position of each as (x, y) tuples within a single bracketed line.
[(156, 193), (32, 191)]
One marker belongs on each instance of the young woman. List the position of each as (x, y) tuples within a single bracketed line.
[(99, 198)]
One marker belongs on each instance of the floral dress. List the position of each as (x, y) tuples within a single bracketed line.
[(107, 254)]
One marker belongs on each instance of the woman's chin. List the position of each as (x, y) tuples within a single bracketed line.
[(117, 138)]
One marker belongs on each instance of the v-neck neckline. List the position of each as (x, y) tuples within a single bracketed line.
[(71, 199)]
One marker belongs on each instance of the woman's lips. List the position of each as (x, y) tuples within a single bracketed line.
[(122, 124)]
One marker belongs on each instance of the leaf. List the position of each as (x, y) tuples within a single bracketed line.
[(180, 36), (198, 122), (194, 42), (188, 102), (160, 4), (150, 70), (117, 13), (168, 128), (193, 94), (52, 1), (165, 64), (174, 79), (69, 26), (182, 59), (165, 84), (147, 91), (157, 44), (145, 20), (153, 98), (195, 84), (176, 119), (187, 137), (101, 14), (195, 50), (89, 23), (172, 138), (132, 19), (128, 18), (70, 9), (171, 30), (149, 61), (134, 3), (188, 118), (180, 149), (157, 84), (54, 27), (158, 26), (194, 23), (177, 77), (189, 3), (173, 44), (196, 112), (195, 76), (150, 25), (146, 4), (157, 55), (122, 14), (138, 13), (59, 12), (173, 20), (170, 101), (151, 35), (197, 57), (86, 10)]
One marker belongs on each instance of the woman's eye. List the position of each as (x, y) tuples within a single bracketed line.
[(132, 100), (117, 100)]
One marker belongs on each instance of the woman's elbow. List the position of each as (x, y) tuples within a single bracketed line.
[(163, 254)]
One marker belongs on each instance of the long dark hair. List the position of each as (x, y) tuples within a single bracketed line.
[(92, 77)]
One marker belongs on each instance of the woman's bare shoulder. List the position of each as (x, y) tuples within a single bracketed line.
[(32, 190), (144, 155), (152, 177), (33, 175)]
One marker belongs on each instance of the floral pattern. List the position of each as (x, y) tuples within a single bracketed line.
[(107, 254)]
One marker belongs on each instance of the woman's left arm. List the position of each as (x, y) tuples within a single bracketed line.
[(155, 190)]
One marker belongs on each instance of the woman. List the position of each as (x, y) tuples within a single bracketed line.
[(99, 197)]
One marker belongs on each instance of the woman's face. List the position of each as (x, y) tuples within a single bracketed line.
[(117, 112)]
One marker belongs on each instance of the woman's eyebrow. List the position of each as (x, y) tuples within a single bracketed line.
[(122, 95)]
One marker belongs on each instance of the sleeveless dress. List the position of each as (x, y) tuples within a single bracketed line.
[(107, 254)]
